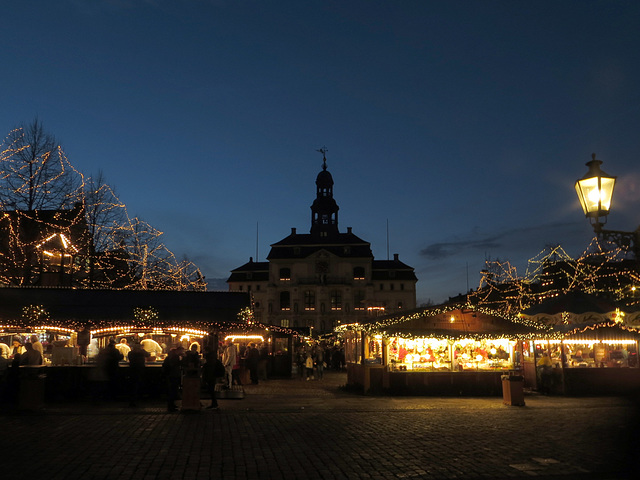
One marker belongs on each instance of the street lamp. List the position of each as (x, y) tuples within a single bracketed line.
[(595, 191)]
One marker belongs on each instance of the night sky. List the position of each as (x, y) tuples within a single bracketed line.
[(461, 125)]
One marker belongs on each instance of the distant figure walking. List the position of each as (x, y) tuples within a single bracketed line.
[(318, 354)]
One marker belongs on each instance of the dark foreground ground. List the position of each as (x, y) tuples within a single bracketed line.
[(292, 429)]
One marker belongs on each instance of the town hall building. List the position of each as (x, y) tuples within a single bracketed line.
[(324, 278)]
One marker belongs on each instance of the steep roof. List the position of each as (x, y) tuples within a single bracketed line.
[(250, 271), (392, 270), (301, 245)]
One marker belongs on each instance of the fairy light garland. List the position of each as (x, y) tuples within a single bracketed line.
[(602, 270), (78, 232)]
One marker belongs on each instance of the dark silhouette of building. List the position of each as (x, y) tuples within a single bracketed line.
[(325, 277)]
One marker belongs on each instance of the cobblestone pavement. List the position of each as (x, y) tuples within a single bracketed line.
[(293, 429)]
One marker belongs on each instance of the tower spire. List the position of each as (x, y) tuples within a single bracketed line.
[(323, 151), (324, 211)]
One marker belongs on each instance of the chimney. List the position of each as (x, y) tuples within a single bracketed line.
[(395, 257), (293, 230), (348, 229), (250, 259)]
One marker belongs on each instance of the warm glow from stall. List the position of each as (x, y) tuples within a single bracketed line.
[(572, 341), (233, 338)]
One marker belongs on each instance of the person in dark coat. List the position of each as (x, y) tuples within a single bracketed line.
[(211, 371), (31, 356), (137, 359), (172, 371), (109, 362), (252, 357)]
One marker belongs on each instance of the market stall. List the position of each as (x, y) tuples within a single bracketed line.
[(590, 358), (445, 350)]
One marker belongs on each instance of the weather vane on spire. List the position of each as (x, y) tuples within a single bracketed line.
[(323, 151)]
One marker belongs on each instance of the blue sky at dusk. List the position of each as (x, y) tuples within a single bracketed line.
[(463, 124)]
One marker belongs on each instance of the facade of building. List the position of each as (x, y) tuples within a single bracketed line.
[(324, 278)]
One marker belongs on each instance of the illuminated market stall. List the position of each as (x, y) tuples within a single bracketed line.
[(593, 346), (158, 320), (588, 358), (443, 350)]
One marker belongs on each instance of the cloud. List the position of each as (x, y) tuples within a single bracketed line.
[(440, 250), (506, 240)]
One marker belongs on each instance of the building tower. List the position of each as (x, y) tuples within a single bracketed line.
[(324, 278), (324, 211)]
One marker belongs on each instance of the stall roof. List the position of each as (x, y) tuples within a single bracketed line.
[(599, 330), (100, 306), (451, 321)]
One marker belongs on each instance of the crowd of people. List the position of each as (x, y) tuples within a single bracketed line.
[(229, 365), (21, 352), (313, 359)]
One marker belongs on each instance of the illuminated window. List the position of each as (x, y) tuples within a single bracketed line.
[(285, 274), (285, 301), (358, 273), (284, 322), (358, 300), (336, 300), (309, 300)]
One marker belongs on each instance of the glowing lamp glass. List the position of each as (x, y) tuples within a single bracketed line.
[(595, 190)]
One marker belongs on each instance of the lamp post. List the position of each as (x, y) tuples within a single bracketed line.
[(595, 191)]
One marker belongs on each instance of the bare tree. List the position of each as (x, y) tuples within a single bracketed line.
[(36, 183), (105, 216), (34, 172), (58, 229)]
